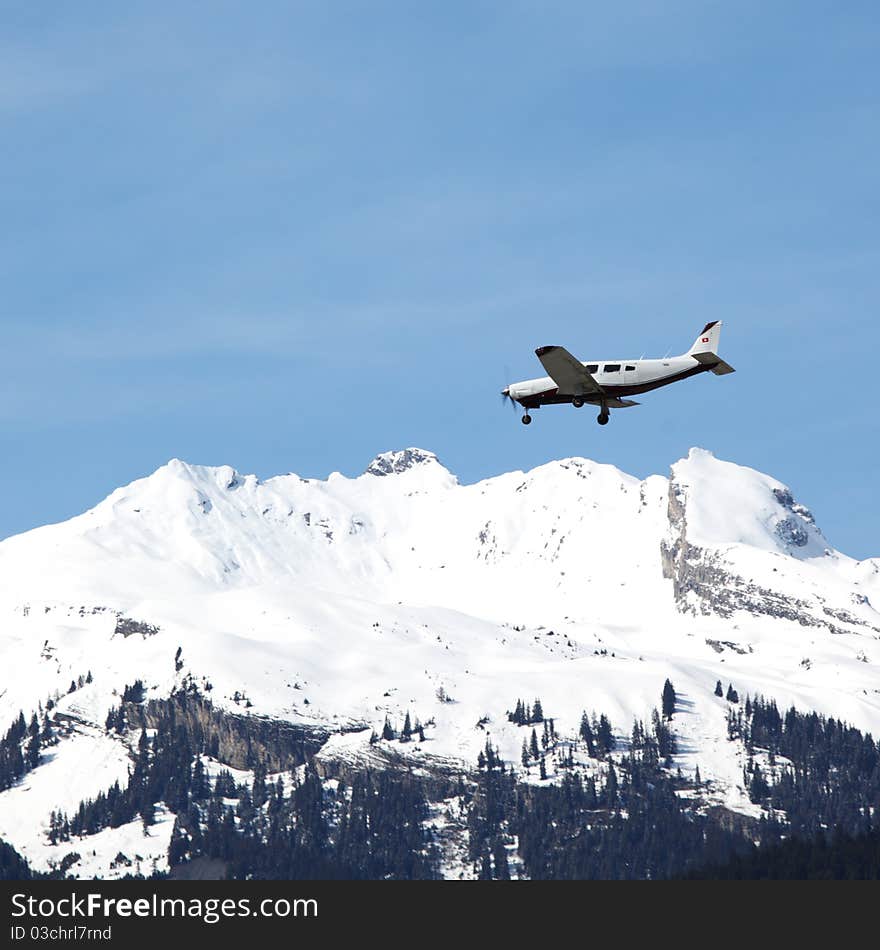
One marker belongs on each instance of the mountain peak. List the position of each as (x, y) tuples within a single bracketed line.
[(223, 476), (697, 454), (402, 460), (730, 503)]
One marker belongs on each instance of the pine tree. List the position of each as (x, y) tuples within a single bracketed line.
[(533, 745), (518, 716), (537, 711), (611, 788), (543, 768), (758, 787), (47, 735), (33, 752), (719, 691), (605, 734), (33, 746), (259, 793), (587, 735), (407, 729), (201, 788), (668, 699), (135, 692), (525, 754)]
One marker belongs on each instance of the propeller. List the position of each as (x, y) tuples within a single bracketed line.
[(506, 397), (505, 393)]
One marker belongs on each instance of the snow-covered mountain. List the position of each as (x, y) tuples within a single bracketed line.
[(337, 604)]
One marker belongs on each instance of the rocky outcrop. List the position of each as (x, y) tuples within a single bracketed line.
[(704, 582), (126, 627), (394, 463), (243, 741), (235, 740), (439, 776)]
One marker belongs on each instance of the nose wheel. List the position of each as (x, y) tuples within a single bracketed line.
[(526, 419), (577, 403)]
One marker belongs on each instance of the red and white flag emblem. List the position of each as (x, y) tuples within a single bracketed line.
[(705, 339)]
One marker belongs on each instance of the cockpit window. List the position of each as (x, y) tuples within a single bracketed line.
[(612, 367), (629, 369), (592, 367)]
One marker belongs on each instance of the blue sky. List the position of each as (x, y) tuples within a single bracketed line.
[(288, 236)]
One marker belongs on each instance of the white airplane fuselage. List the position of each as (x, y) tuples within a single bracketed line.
[(617, 377)]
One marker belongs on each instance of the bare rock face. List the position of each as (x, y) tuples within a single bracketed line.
[(793, 529), (700, 583), (395, 463), (127, 627), (706, 580), (237, 741)]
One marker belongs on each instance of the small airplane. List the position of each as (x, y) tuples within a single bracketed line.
[(605, 383)]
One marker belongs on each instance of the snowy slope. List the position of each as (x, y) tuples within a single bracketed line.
[(340, 602)]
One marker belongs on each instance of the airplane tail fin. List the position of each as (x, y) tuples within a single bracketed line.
[(707, 341), (705, 349)]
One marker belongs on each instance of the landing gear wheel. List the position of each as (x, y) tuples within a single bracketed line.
[(526, 419), (603, 417), (577, 403)]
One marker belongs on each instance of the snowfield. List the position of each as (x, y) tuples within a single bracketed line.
[(344, 602)]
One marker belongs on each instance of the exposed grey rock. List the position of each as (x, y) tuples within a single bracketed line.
[(440, 776), (394, 463), (790, 532), (785, 498), (235, 740), (719, 646), (128, 627), (703, 582)]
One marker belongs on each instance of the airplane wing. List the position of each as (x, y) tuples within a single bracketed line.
[(567, 372)]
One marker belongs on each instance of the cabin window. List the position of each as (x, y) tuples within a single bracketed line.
[(592, 367), (629, 369), (612, 367)]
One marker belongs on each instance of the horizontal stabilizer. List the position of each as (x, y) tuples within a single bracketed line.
[(714, 362)]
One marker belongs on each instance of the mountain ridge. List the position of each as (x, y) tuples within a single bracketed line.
[(339, 604)]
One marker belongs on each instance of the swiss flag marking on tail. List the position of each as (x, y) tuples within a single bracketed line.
[(705, 339)]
